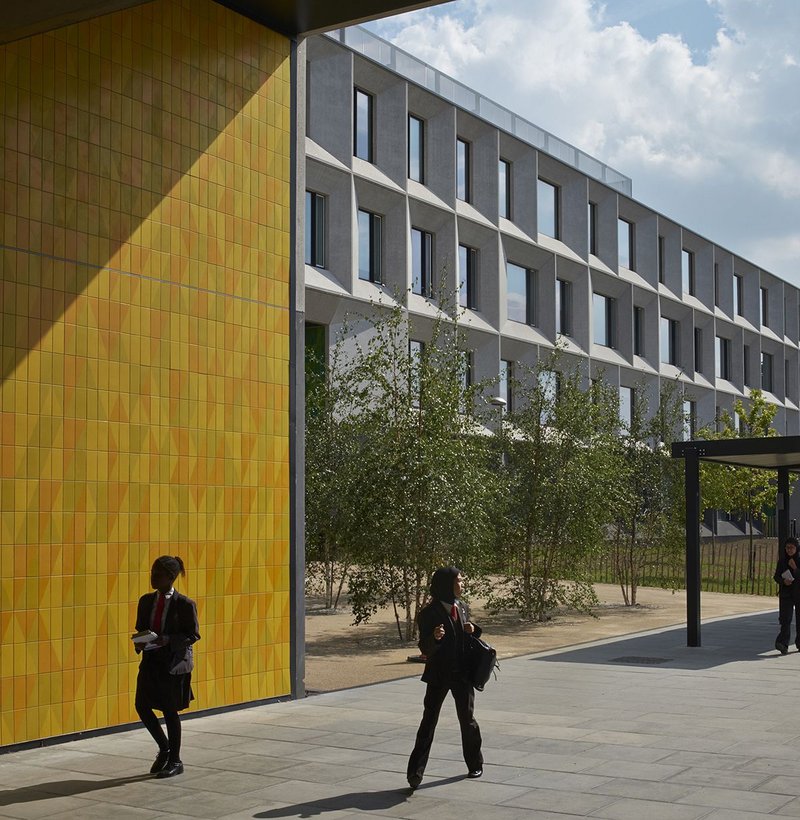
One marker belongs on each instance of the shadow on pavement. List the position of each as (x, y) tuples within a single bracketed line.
[(742, 638), (63, 788), (358, 801)]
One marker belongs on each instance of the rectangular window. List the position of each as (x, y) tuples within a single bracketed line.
[(369, 247), (467, 378), (603, 320), (421, 261), (661, 259), (764, 307), (746, 365), (416, 148), (363, 125), (463, 170), (626, 406), (315, 229), (625, 240), (520, 294), (592, 226), (716, 284), (687, 271), (563, 307), (669, 341), (504, 188), (467, 273), (689, 419), (547, 208), (738, 295), (505, 391), (549, 389), (766, 372), (638, 331), (698, 350), (415, 350), (722, 359)]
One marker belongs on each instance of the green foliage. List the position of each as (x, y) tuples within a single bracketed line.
[(646, 486), (551, 511)]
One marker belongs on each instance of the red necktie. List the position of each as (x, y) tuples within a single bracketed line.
[(454, 612), (159, 613)]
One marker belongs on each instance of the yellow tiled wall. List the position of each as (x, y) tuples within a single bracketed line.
[(144, 334)]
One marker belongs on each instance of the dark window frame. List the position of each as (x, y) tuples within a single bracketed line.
[(426, 260), (375, 248), (467, 181), (504, 194), (316, 217), (370, 124), (470, 279), (413, 118)]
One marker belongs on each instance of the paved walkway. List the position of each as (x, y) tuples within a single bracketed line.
[(634, 727)]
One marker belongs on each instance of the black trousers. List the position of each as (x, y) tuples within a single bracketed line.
[(464, 696), (786, 608)]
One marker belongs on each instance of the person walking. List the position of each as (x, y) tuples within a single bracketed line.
[(443, 627), (167, 627), (787, 577)]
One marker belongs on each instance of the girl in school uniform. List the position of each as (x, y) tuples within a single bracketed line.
[(165, 672)]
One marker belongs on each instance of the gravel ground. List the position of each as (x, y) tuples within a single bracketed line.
[(340, 655)]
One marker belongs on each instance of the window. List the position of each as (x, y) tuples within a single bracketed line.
[(592, 224), (520, 294), (362, 125), (466, 369), (506, 375), (764, 307), (416, 148), (722, 364), (316, 351), (415, 351), (421, 261), (549, 389), (625, 240), (467, 270), (504, 188), (661, 259), (716, 284), (738, 294), (638, 331), (463, 170), (603, 320), (766, 372), (669, 341), (746, 365), (698, 350), (315, 229), (687, 271), (369, 246), (689, 419), (626, 406), (563, 307), (547, 202)]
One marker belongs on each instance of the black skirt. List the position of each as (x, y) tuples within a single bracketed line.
[(157, 689)]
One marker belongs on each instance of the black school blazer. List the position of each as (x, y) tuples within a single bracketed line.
[(181, 627), (445, 655)]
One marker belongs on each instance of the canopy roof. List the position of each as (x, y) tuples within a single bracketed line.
[(763, 453)]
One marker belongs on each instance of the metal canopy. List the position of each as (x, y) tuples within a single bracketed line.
[(780, 453)]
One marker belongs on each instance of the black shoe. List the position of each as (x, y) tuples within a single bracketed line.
[(414, 780), (474, 774), (782, 648), (160, 763), (172, 768)]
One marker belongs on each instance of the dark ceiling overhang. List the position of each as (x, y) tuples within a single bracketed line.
[(764, 453), (291, 17)]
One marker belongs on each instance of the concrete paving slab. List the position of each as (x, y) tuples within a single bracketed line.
[(634, 727)]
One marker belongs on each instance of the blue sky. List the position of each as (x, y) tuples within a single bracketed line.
[(697, 100)]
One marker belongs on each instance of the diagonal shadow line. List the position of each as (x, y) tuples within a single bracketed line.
[(63, 788), (358, 801), (133, 185), (726, 640)]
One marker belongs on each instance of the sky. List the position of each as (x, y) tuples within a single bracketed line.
[(698, 101)]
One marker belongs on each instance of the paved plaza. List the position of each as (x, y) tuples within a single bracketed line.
[(634, 727)]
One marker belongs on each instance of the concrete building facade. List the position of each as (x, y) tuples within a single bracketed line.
[(414, 180)]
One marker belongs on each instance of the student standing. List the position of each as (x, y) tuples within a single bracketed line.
[(165, 672), (787, 577), (443, 627)]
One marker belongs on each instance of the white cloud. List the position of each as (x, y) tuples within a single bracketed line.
[(644, 105)]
